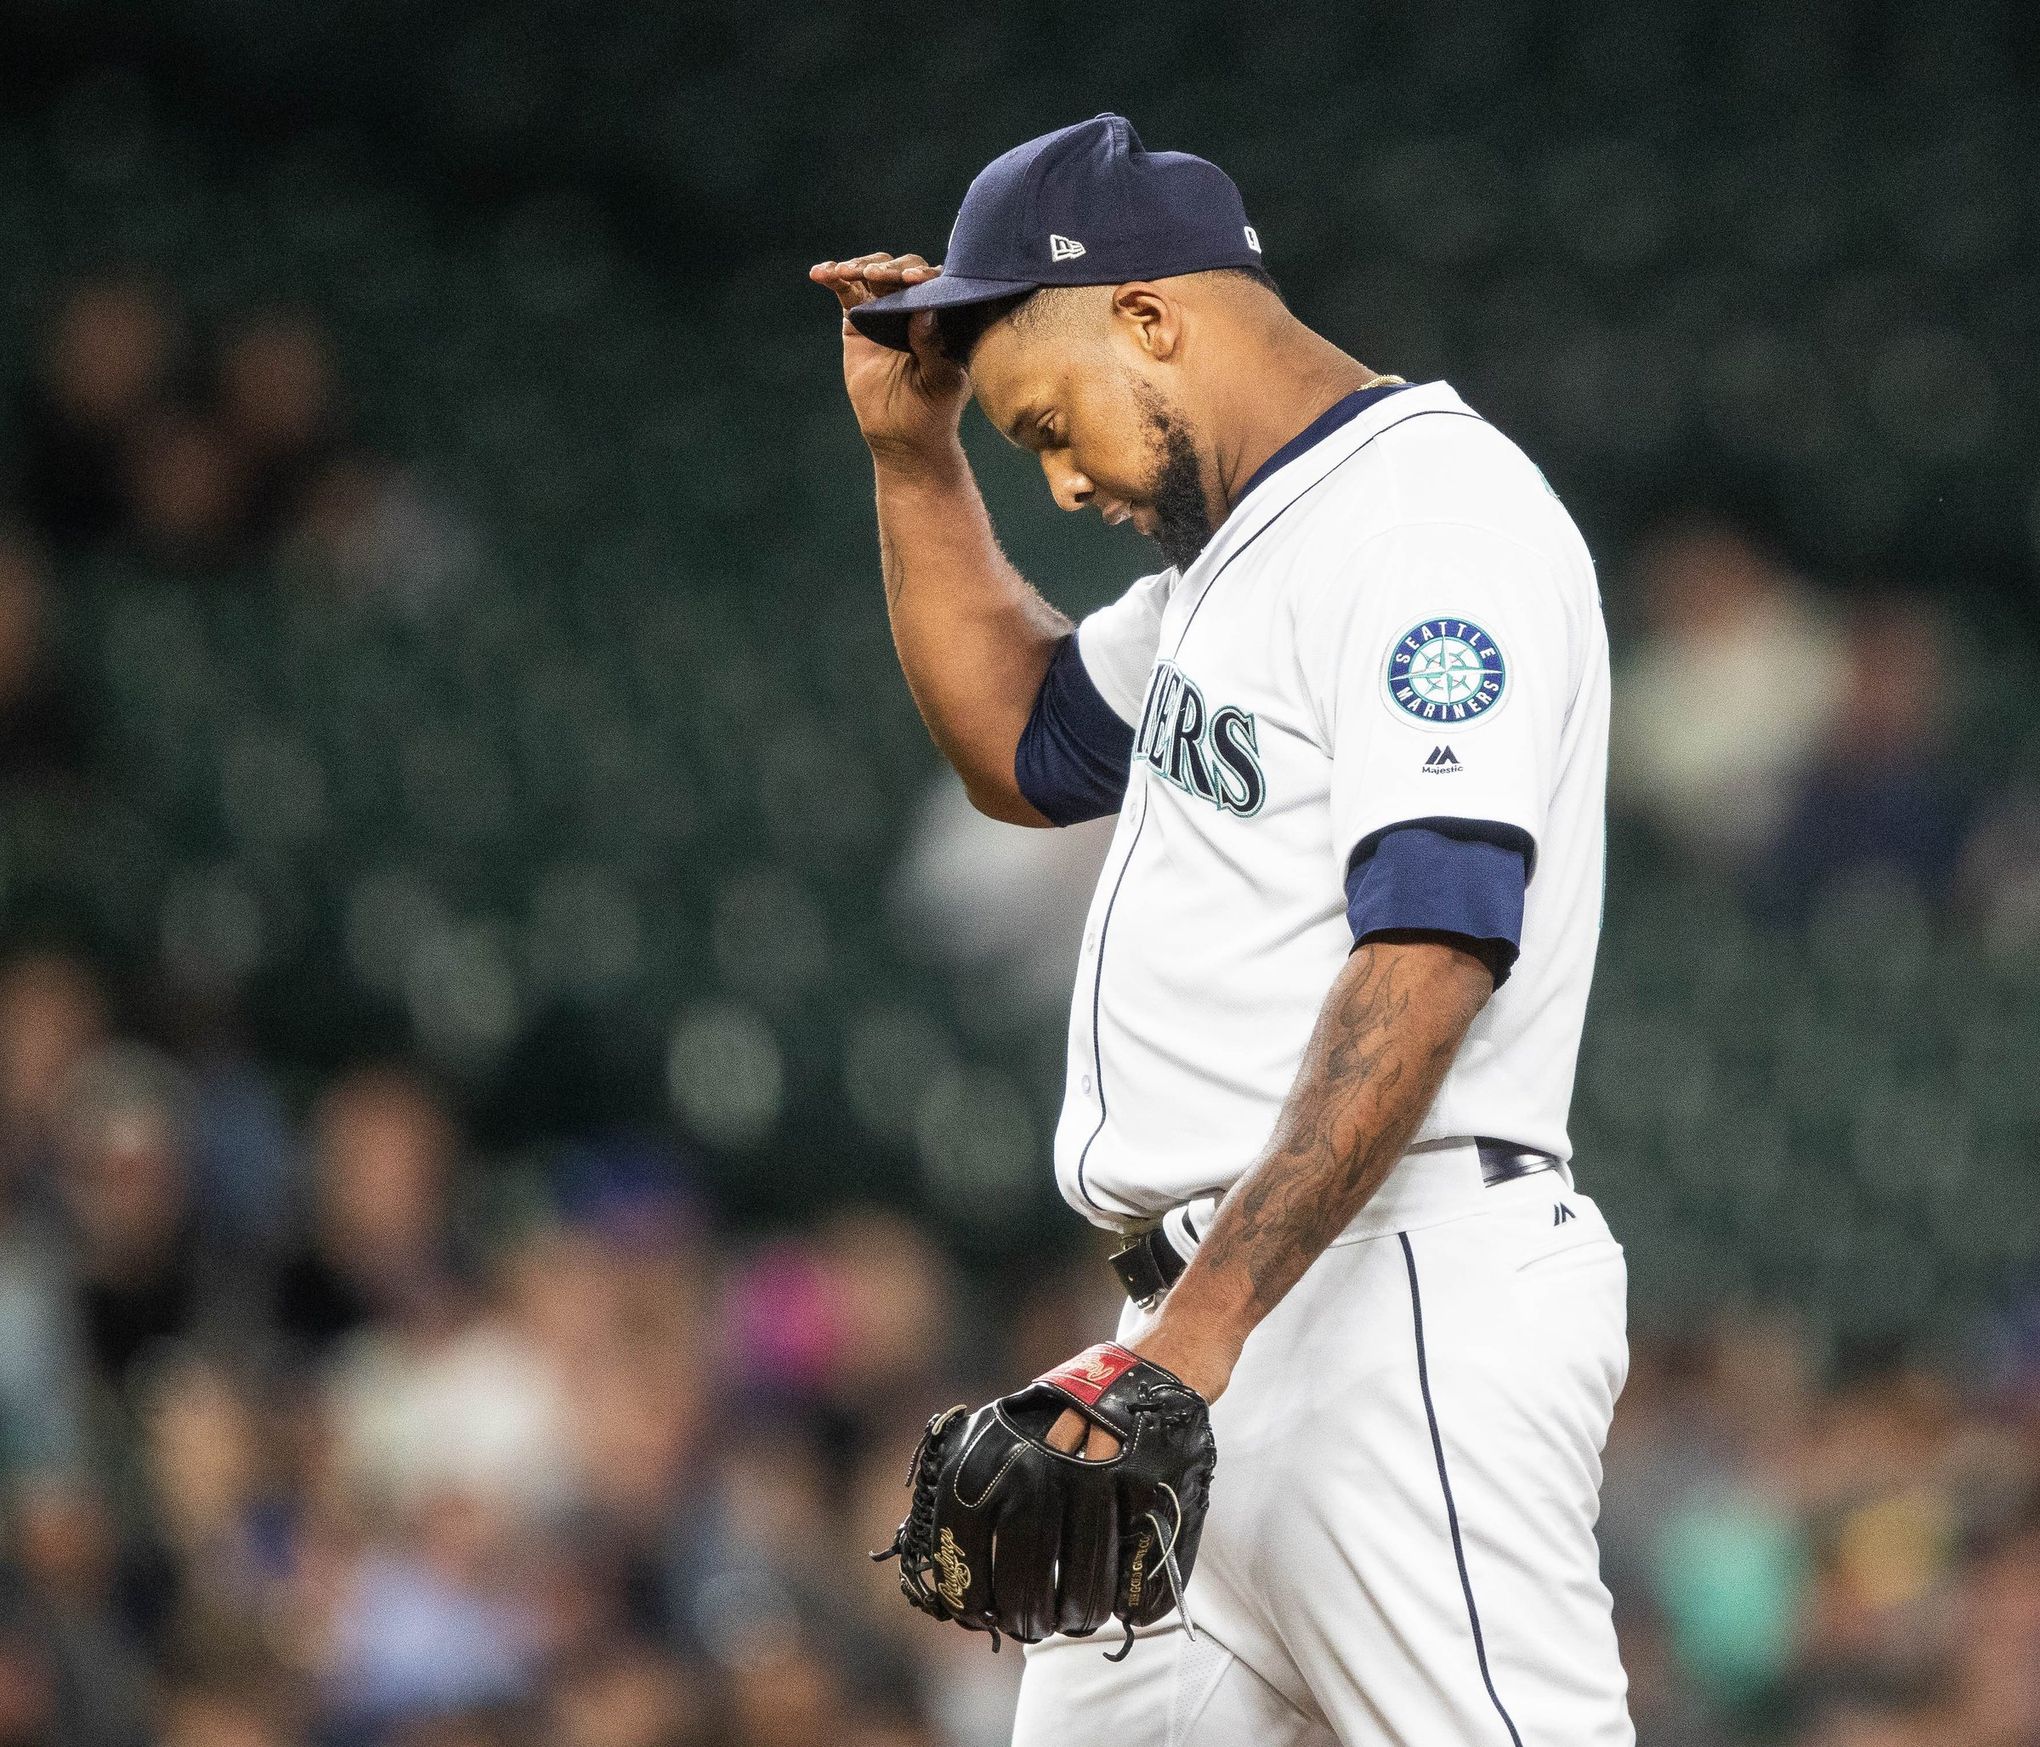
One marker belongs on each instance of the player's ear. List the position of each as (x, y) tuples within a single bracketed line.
[(1149, 317)]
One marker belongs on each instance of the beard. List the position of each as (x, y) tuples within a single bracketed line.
[(1182, 517)]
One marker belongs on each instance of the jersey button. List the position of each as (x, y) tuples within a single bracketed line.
[(1085, 1082)]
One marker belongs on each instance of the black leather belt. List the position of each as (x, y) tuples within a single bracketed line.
[(1149, 1262), (1148, 1265)]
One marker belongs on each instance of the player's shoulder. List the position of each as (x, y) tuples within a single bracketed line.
[(1436, 494), (1433, 458), (1435, 474)]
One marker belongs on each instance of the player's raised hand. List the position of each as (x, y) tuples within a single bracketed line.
[(907, 403)]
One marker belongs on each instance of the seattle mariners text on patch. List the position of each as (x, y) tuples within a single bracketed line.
[(1446, 670)]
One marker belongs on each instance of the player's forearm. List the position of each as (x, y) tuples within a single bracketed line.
[(974, 639), (1385, 1037)]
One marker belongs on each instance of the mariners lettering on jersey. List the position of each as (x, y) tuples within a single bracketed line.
[(1446, 670), (1211, 754)]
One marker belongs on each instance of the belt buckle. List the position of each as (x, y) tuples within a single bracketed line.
[(1138, 1270)]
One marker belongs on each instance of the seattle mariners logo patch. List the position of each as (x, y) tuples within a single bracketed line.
[(1446, 670)]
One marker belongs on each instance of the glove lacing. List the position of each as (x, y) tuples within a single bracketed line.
[(1168, 1536)]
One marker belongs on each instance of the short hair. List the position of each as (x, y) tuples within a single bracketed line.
[(957, 331), (1256, 276)]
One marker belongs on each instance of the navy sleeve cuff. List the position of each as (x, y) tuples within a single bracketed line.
[(1457, 877), (1075, 752)]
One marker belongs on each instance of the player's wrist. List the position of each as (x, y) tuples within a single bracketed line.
[(919, 462), (1202, 1358)]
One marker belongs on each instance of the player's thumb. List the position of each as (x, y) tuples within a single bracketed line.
[(924, 336)]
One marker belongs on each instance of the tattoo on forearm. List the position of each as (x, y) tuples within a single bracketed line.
[(1380, 1049)]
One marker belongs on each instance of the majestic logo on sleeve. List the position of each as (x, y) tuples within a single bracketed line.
[(1446, 670), (1208, 753)]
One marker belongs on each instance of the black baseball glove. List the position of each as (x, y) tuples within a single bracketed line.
[(1006, 1535)]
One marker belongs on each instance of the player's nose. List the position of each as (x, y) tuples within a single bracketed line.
[(1071, 489)]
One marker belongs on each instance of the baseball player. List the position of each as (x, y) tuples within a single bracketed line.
[(1330, 994)]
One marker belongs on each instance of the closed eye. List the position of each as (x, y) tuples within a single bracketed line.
[(1032, 430)]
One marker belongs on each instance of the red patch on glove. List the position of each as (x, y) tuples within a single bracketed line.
[(1092, 1372)]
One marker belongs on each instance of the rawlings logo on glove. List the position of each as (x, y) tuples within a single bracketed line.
[(1008, 1535), (954, 1580)]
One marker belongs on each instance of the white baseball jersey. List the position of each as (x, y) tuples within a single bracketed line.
[(1398, 624)]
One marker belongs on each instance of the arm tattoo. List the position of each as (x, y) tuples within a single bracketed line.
[(1394, 1020)]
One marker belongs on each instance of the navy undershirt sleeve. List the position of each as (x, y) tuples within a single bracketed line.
[(1075, 752), (1457, 877)]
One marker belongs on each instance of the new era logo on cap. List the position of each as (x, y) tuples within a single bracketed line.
[(1253, 238), (1061, 248)]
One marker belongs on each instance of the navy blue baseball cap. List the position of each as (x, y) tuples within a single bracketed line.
[(1085, 205)]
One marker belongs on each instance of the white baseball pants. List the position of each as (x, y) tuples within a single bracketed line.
[(1400, 1550)]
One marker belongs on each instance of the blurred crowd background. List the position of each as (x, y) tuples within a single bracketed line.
[(520, 1082)]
